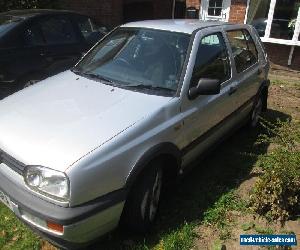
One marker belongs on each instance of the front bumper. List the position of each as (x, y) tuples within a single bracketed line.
[(81, 224)]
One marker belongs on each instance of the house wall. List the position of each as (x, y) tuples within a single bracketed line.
[(237, 11), (107, 12), (193, 3), (110, 12), (279, 55)]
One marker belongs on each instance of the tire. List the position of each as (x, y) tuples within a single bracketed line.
[(142, 205), (256, 112)]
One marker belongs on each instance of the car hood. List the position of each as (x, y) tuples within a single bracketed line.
[(59, 120)]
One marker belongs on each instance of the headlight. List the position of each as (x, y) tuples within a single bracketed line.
[(51, 183)]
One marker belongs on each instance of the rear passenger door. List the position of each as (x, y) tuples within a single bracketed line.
[(63, 45), (248, 73)]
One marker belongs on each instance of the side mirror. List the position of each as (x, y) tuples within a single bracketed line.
[(205, 86)]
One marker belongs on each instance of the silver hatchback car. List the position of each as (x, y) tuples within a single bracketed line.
[(92, 147)]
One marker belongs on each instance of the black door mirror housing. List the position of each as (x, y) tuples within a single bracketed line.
[(205, 86)]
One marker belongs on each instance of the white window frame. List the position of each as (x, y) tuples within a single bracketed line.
[(224, 13), (293, 42)]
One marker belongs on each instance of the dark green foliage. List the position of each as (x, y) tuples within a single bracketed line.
[(276, 194), (6, 5)]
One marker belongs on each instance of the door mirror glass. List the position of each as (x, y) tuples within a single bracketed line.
[(205, 86)]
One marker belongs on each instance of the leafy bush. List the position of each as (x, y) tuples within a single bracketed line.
[(6, 5), (276, 194)]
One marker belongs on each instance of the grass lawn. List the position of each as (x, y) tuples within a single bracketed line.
[(208, 207)]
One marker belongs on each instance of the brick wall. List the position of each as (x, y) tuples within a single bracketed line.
[(237, 11), (279, 55), (193, 3), (163, 9), (110, 12), (107, 12)]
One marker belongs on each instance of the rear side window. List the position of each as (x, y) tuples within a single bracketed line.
[(243, 49), (212, 60), (58, 30)]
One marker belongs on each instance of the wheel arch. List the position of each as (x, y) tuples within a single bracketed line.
[(167, 152)]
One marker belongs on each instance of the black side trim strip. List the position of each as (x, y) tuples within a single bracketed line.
[(11, 162), (211, 131), (49, 211)]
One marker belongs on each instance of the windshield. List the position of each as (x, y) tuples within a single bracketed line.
[(7, 23), (136, 57)]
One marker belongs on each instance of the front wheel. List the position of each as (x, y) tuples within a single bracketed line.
[(142, 204)]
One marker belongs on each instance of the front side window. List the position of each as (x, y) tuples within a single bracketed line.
[(137, 57), (243, 49), (212, 60), (58, 30)]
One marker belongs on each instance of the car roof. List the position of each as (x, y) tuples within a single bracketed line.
[(176, 25), (28, 13)]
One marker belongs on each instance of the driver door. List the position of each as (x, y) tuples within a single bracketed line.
[(205, 115)]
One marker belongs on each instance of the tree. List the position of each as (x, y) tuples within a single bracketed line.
[(6, 5)]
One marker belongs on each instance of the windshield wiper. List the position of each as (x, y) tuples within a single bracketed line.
[(99, 77), (145, 86), (94, 76)]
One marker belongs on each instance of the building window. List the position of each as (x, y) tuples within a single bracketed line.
[(215, 7), (258, 15), (276, 21)]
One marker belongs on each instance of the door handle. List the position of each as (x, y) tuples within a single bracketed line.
[(232, 90)]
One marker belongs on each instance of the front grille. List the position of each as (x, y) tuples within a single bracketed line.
[(12, 162)]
